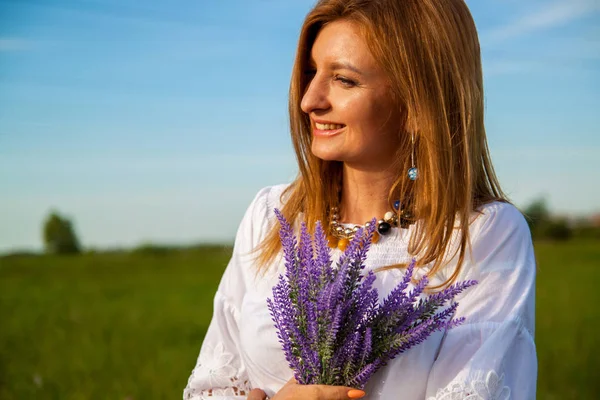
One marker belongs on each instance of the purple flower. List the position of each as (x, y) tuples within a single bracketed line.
[(332, 327)]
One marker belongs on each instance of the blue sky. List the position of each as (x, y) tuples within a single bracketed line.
[(158, 121)]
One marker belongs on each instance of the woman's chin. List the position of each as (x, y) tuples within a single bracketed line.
[(327, 153), (328, 156)]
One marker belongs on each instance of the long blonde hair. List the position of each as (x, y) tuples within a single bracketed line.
[(430, 51)]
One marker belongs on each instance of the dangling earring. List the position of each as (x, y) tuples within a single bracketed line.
[(413, 172), (405, 215)]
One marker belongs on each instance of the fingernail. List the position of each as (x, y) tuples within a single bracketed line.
[(356, 394)]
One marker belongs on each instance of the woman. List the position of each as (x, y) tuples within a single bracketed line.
[(386, 109)]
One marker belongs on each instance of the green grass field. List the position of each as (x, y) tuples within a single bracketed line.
[(129, 326)]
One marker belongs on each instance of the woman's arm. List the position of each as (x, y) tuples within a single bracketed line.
[(220, 372), (492, 355)]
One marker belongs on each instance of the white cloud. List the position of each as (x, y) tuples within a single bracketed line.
[(553, 15)]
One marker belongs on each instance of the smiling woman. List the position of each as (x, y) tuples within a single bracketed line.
[(386, 112), (353, 116)]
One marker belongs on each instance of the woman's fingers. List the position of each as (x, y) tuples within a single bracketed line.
[(338, 392), (257, 394), (293, 391), (355, 393)]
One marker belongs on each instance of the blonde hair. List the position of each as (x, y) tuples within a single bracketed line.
[(430, 51)]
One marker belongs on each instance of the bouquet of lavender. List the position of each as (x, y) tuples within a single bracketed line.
[(330, 322)]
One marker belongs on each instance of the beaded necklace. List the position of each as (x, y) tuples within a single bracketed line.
[(339, 236)]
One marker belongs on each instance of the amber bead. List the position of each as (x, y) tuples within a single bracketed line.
[(332, 241), (375, 238), (342, 244)]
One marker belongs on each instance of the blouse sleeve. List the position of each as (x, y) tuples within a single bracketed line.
[(492, 355), (220, 373)]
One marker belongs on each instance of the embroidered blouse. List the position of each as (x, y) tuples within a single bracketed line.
[(491, 356)]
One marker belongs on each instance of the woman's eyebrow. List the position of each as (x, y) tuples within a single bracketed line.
[(337, 65), (345, 65)]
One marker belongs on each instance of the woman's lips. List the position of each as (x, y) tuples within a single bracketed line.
[(320, 129)]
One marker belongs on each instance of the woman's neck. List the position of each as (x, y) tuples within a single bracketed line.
[(364, 194)]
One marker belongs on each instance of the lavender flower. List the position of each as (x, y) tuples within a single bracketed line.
[(332, 327)]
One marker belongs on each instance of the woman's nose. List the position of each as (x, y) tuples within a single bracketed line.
[(315, 97)]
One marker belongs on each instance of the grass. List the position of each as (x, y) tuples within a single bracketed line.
[(129, 326), (568, 320)]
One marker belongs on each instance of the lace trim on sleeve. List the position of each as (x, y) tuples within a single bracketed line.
[(214, 375), (196, 394), (490, 387)]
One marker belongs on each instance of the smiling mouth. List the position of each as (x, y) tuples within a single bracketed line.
[(327, 129)]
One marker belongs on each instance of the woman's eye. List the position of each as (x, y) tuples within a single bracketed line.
[(345, 81)]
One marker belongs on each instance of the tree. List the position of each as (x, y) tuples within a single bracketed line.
[(537, 214), (557, 229), (545, 226), (59, 236)]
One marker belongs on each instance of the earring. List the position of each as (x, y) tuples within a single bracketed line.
[(413, 172)]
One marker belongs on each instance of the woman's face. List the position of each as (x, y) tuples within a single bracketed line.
[(353, 118)]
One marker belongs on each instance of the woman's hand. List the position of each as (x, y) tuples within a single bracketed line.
[(293, 391), (257, 394)]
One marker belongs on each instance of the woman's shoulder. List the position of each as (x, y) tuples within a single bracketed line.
[(267, 199), (260, 214), (498, 218), (500, 238), (271, 196)]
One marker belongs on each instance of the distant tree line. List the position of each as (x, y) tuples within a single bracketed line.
[(545, 225), (60, 237)]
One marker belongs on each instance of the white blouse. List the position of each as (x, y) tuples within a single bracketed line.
[(491, 356)]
